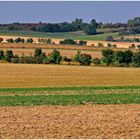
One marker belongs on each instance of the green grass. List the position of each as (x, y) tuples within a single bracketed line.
[(70, 95), (69, 99), (72, 35)]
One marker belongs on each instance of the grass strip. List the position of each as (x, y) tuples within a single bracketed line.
[(68, 88), (69, 99)]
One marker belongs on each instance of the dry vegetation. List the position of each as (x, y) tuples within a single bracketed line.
[(27, 75), (87, 121), (89, 42), (68, 53)]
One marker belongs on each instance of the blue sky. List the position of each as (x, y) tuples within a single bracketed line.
[(55, 11)]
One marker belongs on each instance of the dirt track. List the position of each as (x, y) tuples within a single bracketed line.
[(88, 121)]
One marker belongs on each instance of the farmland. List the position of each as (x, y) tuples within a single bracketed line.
[(64, 101), (26, 75)]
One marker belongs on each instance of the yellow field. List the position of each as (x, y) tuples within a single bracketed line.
[(26, 75), (89, 42)]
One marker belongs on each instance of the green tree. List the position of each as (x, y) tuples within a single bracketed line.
[(108, 56), (1, 54), (109, 38), (38, 52), (90, 29), (136, 59), (55, 57), (10, 40), (29, 40), (9, 55), (85, 59)]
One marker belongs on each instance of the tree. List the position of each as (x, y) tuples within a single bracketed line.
[(18, 40), (55, 57), (90, 30), (119, 57), (85, 59), (108, 56), (81, 42), (109, 38), (136, 59), (1, 39), (10, 40), (77, 56), (128, 56), (38, 52), (1, 54), (94, 23), (9, 55), (68, 41), (29, 40)]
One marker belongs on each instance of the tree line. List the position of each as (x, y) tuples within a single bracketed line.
[(131, 27), (110, 57)]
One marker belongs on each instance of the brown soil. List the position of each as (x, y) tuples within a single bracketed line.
[(85, 121)]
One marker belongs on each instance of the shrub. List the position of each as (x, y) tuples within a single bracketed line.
[(29, 40), (132, 46), (1, 54), (68, 41), (27, 60), (85, 59), (96, 61), (81, 42), (77, 56), (100, 44), (15, 59), (1, 39), (10, 40), (109, 38), (66, 59)]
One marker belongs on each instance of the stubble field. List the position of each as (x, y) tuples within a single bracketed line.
[(26, 75)]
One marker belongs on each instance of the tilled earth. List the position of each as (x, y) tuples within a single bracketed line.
[(84, 121)]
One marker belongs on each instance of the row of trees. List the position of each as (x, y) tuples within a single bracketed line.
[(110, 58), (18, 40), (76, 25), (121, 58)]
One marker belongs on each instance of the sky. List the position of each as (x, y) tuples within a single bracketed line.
[(60, 11)]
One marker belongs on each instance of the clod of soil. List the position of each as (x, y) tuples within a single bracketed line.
[(85, 121)]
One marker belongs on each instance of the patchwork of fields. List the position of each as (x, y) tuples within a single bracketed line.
[(59, 101)]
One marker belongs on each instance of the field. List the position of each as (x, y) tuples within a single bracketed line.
[(57, 101), (61, 101), (26, 75), (84, 121), (79, 35), (90, 42)]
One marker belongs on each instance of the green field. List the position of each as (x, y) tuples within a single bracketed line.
[(70, 95), (103, 33)]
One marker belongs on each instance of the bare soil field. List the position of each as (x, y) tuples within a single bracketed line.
[(84, 121), (37, 75), (89, 42)]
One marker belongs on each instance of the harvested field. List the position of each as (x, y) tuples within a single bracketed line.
[(84, 121), (68, 53), (89, 42), (27, 75)]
